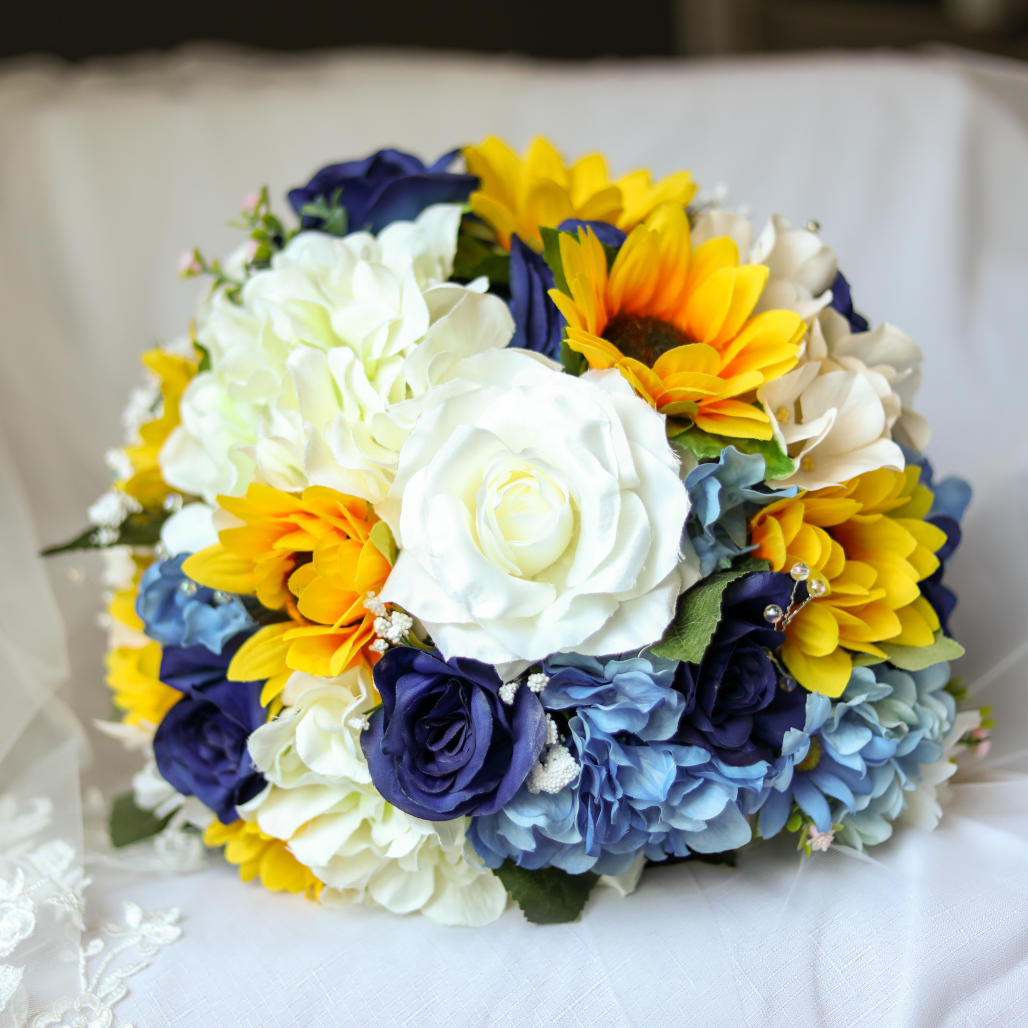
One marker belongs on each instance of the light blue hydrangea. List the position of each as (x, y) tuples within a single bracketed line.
[(636, 790), (723, 501), (917, 713), (854, 758), (176, 611)]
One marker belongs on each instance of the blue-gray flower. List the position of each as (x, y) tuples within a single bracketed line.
[(725, 494), (443, 744), (177, 612)]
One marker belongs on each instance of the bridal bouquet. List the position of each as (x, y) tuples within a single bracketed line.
[(501, 527)]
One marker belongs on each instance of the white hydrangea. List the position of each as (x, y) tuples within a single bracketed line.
[(321, 799), (311, 372)]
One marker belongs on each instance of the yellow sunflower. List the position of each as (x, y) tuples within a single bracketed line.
[(518, 195), (311, 556), (260, 856), (676, 322), (867, 546)]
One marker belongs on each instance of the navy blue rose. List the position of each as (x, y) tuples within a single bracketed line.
[(538, 324), (176, 611), (200, 744), (734, 706), (842, 301), (950, 498), (388, 186), (443, 744)]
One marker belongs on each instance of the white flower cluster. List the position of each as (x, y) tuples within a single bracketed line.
[(320, 798), (347, 331)]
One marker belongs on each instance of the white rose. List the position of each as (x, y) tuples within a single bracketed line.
[(321, 800), (537, 513), (308, 369)]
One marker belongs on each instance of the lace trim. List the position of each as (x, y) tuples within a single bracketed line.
[(42, 888)]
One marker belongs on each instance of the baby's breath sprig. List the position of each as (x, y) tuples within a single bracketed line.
[(393, 626)]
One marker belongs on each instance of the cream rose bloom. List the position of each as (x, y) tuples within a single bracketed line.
[(537, 513), (320, 798), (309, 371), (833, 414)]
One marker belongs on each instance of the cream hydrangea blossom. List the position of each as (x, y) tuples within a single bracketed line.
[(537, 513), (321, 799), (802, 268), (832, 414), (311, 369)]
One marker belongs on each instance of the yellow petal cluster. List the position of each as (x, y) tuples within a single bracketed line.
[(518, 195), (146, 483), (132, 674), (867, 542), (310, 556), (676, 322), (260, 856)]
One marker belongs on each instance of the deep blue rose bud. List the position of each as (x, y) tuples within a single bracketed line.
[(735, 707), (388, 186), (443, 744), (200, 744)]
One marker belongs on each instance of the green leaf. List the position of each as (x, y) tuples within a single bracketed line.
[(383, 541), (699, 613), (330, 211), (917, 658), (130, 823), (476, 257), (551, 254), (573, 361), (546, 896), (704, 446), (205, 357), (141, 529)]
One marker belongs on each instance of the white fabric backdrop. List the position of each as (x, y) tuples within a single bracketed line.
[(915, 168)]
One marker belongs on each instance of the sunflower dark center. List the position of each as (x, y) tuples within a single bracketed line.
[(643, 337)]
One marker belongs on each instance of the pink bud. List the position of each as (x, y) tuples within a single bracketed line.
[(251, 203), (188, 264), (820, 841), (251, 251), (981, 749)]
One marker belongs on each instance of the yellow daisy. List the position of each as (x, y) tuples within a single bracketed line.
[(260, 856), (518, 195), (676, 322), (867, 545), (311, 556)]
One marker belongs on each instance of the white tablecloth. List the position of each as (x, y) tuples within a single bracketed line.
[(916, 169)]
